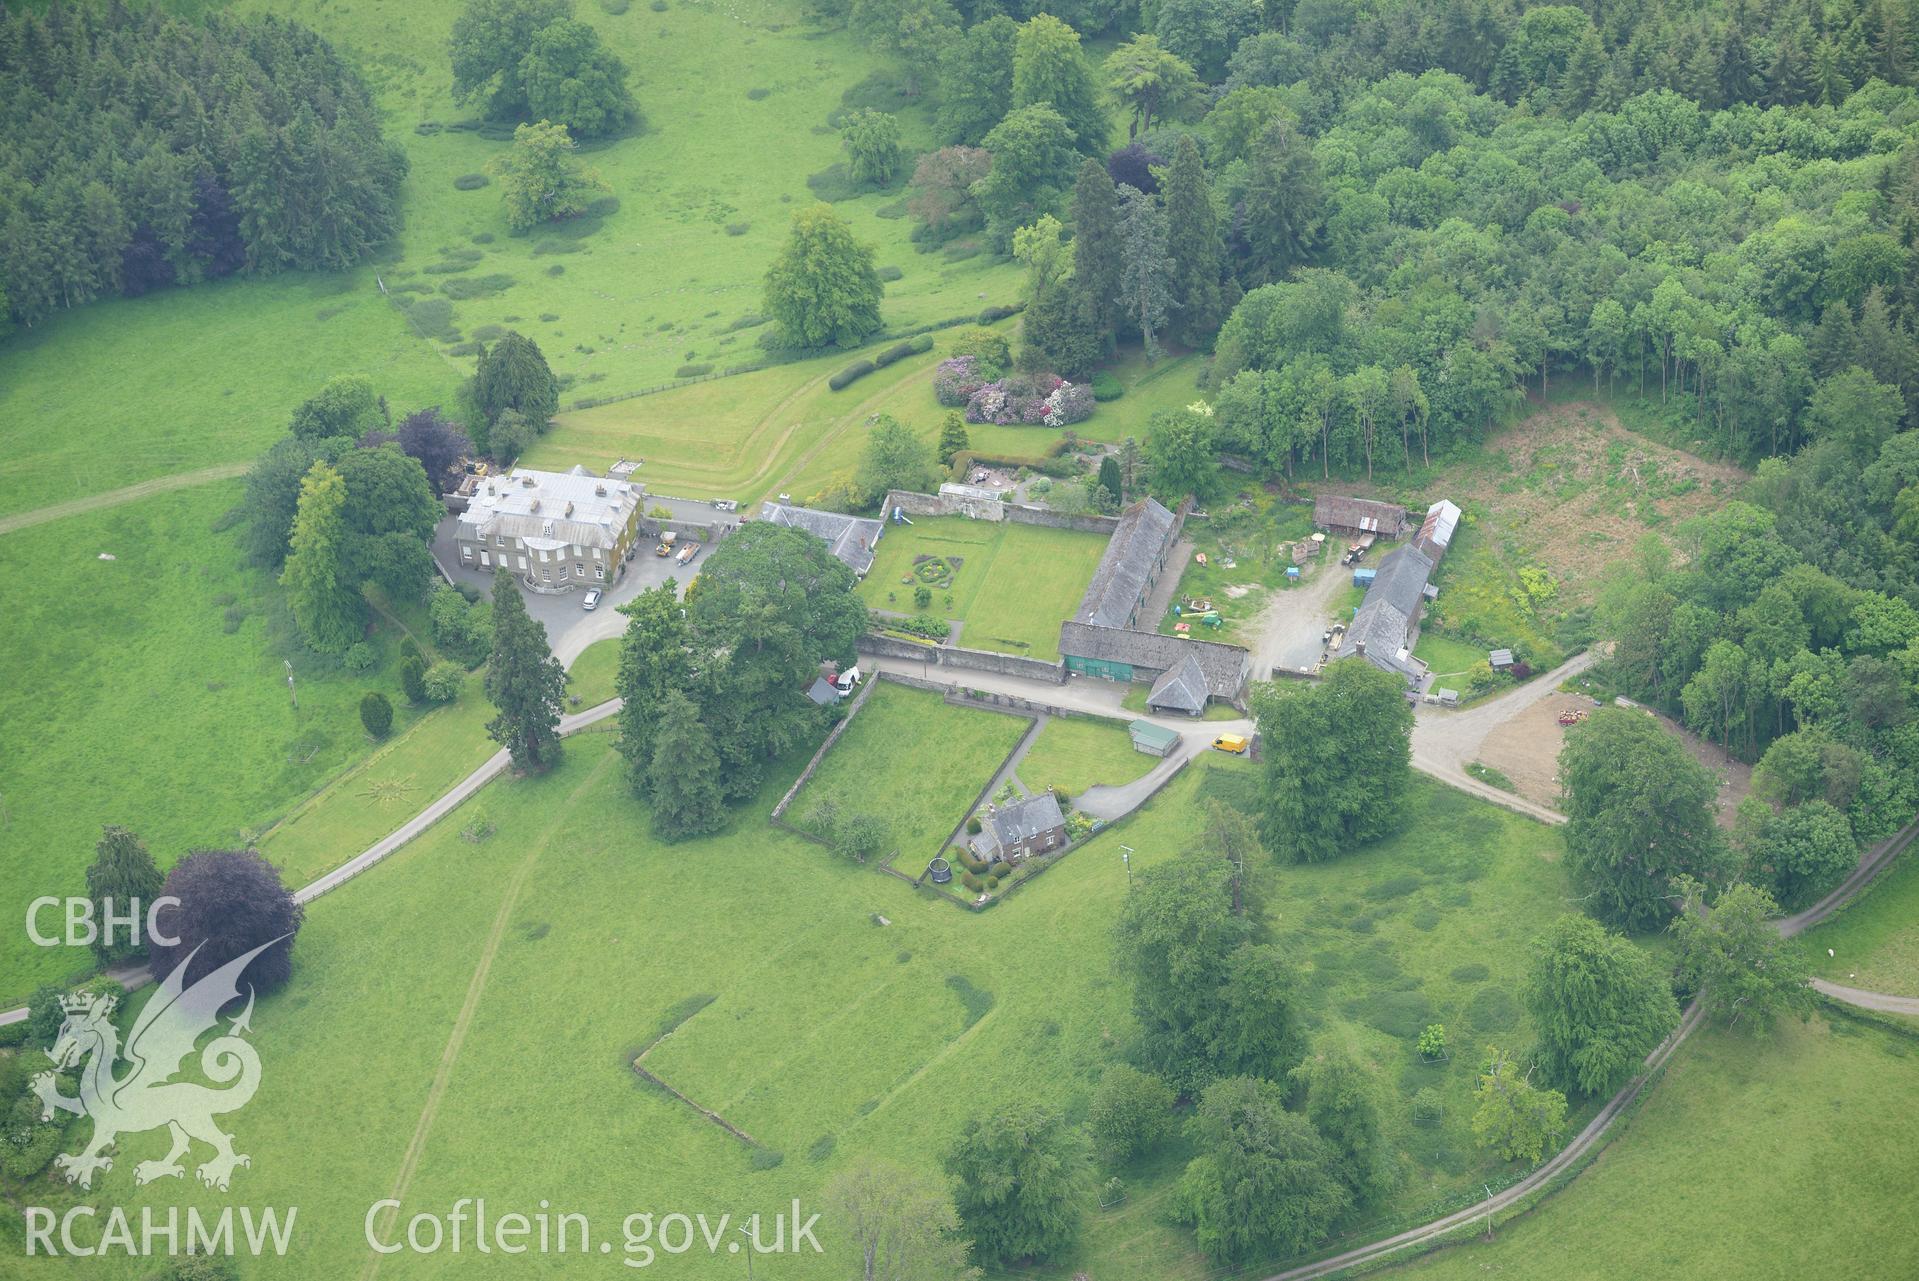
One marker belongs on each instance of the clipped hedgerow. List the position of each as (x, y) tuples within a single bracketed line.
[(992, 314), (901, 350), (851, 374), (1106, 387), (470, 181), (692, 371)]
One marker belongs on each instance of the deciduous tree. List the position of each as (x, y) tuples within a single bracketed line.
[(1149, 78), (1515, 1118), (1030, 148), (230, 902), (1343, 1105), (683, 776), (540, 179), (1733, 955), (513, 375), (1599, 1004), (573, 80), (321, 590), (1264, 1181), (1319, 805), (822, 289), (488, 45), (895, 457), (872, 142), (1132, 1112), (1048, 67), (1023, 1177), (653, 663), (903, 1225)]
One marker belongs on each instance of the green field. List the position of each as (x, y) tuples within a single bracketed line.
[(1014, 585), (591, 676), (150, 691), (1445, 655), (1073, 753), (1785, 1157), (1875, 938), (830, 1035), (915, 760)]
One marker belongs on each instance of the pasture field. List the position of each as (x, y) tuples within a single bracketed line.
[(1013, 587), (1075, 752), (1875, 939), (662, 274), (125, 391), (916, 761), (1789, 1156), (827, 1035), (149, 691)]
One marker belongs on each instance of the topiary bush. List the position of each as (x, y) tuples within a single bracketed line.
[(973, 825), (360, 659), (991, 315), (1106, 387), (900, 351)]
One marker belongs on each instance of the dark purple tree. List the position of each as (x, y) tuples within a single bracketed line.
[(438, 443), (1129, 167), (214, 233), (231, 901)]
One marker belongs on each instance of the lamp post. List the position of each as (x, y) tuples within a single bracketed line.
[(292, 693)]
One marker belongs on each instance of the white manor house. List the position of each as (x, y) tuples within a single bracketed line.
[(556, 531)]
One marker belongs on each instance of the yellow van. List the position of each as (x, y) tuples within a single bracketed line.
[(1234, 743)]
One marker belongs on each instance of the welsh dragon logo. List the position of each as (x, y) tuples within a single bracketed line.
[(146, 1097)]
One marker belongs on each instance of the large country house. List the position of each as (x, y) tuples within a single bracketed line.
[(555, 531)]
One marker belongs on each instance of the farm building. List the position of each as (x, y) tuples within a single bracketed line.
[(851, 538), (1387, 622), (1135, 555), (1021, 828), (1347, 515), (1436, 531), (1154, 740), (1119, 654), (553, 530), (1181, 688)]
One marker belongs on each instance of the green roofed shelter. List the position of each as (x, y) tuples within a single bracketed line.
[(1154, 740)]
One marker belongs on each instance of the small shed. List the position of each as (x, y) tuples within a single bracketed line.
[(1154, 740), (1447, 697), (1364, 576), (821, 691), (1501, 659), (1292, 573)]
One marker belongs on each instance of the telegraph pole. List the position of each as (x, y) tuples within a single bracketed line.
[(292, 693)]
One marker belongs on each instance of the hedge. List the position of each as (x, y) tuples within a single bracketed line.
[(993, 314), (900, 351), (1047, 464), (1106, 387), (851, 374)]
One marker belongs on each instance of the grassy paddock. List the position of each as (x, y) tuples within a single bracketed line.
[(1875, 940), (1783, 1157), (1015, 584), (152, 690), (915, 760), (1074, 752)]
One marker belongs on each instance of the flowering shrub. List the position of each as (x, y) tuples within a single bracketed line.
[(1070, 403), (1012, 401), (957, 380)]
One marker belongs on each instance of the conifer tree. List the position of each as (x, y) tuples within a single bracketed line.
[(326, 602), (1097, 253), (1192, 236), (524, 681), (123, 878), (684, 777)]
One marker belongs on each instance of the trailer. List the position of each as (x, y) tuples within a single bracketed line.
[(687, 552)]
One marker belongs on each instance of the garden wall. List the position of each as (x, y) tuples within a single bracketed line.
[(779, 811), (914, 504), (962, 659)]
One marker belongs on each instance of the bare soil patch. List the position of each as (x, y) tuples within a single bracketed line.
[(1526, 750)]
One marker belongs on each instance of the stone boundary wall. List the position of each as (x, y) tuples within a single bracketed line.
[(916, 504), (806, 775), (960, 658)]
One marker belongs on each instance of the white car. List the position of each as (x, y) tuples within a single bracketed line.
[(592, 600)]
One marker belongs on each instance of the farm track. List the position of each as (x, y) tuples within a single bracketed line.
[(115, 497)]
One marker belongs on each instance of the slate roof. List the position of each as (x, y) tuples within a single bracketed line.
[(1385, 617), (1155, 736), (1224, 665), (851, 538), (1145, 531), (1182, 687), (1033, 816), (1340, 511), (547, 509)]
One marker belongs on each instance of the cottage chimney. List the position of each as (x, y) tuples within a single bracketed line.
[(599, 491), (535, 506), (569, 507)]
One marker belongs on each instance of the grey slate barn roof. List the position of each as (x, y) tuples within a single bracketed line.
[(1182, 687), (1033, 816), (1339, 511), (851, 538), (1385, 619), (1133, 553), (1224, 666)]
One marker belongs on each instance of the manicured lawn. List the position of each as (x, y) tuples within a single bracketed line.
[(149, 691), (1875, 940), (1014, 586), (1445, 655), (1075, 752), (915, 760), (1784, 1157), (591, 677)]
